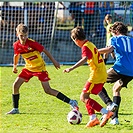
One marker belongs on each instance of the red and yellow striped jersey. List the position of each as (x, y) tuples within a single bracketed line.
[(31, 54)]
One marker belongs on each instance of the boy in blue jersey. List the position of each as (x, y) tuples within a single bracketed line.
[(121, 72)]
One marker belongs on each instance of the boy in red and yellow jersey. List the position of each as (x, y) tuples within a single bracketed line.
[(35, 66), (98, 76)]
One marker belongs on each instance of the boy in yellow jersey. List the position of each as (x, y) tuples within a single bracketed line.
[(107, 24), (98, 76), (35, 66)]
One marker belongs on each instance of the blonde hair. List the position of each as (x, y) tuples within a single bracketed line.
[(21, 28)]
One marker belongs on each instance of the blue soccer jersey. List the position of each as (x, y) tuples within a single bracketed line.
[(123, 49)]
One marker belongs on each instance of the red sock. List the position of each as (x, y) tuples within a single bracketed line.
[(90, 110), (94, 105)]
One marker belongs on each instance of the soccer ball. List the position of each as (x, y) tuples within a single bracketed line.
[(74, 117)]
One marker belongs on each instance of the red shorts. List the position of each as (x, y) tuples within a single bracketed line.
[(27, 75), (92, 88)]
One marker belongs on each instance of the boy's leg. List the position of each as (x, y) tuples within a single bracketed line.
[(115, 121), (93, 104), (64, 98), (15, 96), (96, 106), (93, 119), (98, 89), (112, 106), (59, 95), (104, 96), (117, 100), (15, 99)]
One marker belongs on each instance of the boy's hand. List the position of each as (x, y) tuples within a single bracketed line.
[(14, 70), (56, 64), (67, 70)]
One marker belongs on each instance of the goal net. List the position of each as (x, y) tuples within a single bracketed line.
[(50, 24)]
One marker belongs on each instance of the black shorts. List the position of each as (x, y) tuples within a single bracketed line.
[(113, 76)]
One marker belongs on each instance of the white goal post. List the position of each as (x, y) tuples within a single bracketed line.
[(50, 23)]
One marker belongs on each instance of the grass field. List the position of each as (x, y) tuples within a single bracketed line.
[(41, 113)]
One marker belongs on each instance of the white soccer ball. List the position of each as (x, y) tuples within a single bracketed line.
[(74, 117)]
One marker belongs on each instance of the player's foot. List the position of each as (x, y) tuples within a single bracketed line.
[(93, 123), (112, 107), (74, 104), (13, 111), (105, 118), (114, 121)]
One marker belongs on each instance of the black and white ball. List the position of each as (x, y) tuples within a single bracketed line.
[(74, 117)]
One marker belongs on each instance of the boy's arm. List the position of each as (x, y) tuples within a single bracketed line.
[(105, 24), (15, 62), (79, 63), (106, 50), (56, 64), (63, 5)]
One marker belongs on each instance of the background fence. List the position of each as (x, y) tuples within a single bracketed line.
[(50, 24)]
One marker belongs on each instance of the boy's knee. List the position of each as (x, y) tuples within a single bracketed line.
[(48, 91)]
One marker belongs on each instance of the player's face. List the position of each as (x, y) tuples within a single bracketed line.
[(109, 21), (22, 38), (113, 34), (77, 42)]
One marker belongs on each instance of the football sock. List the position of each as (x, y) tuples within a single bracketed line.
[(15, 99), (63, 97), (93, 116), (105, 61), (103, 111), (94, 105), (104, 96), (117, 100), (89, 109)]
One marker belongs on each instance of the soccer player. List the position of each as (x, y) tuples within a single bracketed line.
[(121, 72), (98, 76), (35, 66), (107, 24)]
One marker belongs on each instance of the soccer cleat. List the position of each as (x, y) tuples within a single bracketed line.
[(112, 107), (13, 111), (74, 104), (114, 121), (93, 123), (105, 118)]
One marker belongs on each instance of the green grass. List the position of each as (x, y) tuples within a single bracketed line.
[(41, 113)]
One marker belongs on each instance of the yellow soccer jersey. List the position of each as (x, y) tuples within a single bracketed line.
[(31, 54), (98, 72)]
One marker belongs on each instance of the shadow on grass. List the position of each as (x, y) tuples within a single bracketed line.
[(119, 114), (125, 123), (26, 113)]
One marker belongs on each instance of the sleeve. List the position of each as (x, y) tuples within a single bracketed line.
[(86, 52), (112, 41), (15, 49), (105, 24), (35, 45)]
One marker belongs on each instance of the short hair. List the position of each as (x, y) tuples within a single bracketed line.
[(119, 27), (78, 33), (22, 29), (108, 16)]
